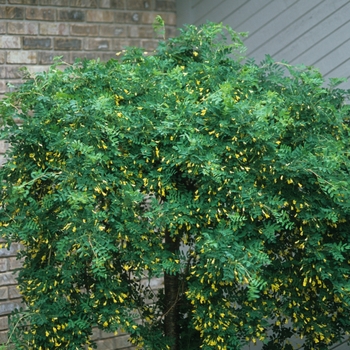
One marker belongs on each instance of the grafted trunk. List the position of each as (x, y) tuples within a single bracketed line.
[(171, 293)]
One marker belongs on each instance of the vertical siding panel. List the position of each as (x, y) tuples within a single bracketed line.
[(295, 30), (195, 2), (343, 346), (215, 12), (184, 13), (249, 9), (275, 33), (325, 53), (311, 32), (338, 61), (205, 7), (302, 32), (311, 39), (312, 28), (260, 18)]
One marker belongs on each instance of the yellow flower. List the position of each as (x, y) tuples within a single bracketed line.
[(126, 267)]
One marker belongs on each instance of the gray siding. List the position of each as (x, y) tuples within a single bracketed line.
[(312, 32)]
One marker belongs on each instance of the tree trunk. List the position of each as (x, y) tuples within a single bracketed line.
[(171, 293)]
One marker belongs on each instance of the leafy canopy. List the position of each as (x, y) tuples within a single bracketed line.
[(231, 177)]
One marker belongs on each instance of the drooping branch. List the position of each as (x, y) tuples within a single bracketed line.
[(171, 291)]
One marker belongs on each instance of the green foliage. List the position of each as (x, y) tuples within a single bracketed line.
[(246, 165), (159, 26)]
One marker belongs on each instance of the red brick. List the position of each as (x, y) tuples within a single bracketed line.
[(135, 17), (3, 148), (3, 261), (4, 293), (71, 15), (13, 12), (83, 55), (2, 158), (3, 28), (99, 16), (14, 263), (54, 2), (24, 2), (105, 344), (139, 5), (40, 14), (83, 3), (106, 56), (60, 29), (122, 17), (143, 17), (3, 89), (7, 307), (117, 4), (95, 334), (105, 3), (105, 335), (34, 70), (14, 86), (14, 246), (98, 44), (7, 278), (47, 57), (149, 45), (170, 32), (13, 292), (33, 43), (122, 342), (2, 57), (121, 44), (104, 27), (3, 337), (141, 32), (2, 75), (10, 72), (112, 31), (169, 18), (10, 42), (22, 28), (84, 29), (148, 17), (21, 57), (3, 322), (68, 44), (166, 6)]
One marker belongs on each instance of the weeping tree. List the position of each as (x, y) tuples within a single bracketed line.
[(226, 178)]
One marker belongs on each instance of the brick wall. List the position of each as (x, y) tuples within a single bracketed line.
[(32, 33), (9, 296)]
